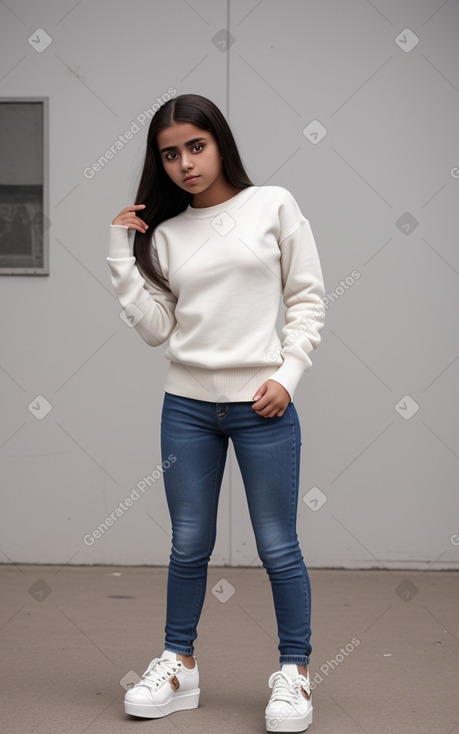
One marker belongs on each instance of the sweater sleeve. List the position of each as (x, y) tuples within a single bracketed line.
[(303, 293), (148, 308)]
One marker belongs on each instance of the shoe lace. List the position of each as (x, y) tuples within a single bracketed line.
[(159, 672), (288, 690)]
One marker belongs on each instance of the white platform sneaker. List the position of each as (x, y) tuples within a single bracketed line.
[(290, 706), (165, 687)]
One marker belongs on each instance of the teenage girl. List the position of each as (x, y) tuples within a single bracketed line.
[(203, 259)]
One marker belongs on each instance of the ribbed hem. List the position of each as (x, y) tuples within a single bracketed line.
[(216, 386)]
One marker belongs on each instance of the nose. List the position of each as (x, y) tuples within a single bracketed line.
[(187, 162)]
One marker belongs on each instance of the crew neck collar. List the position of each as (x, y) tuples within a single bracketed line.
[(212, 211)]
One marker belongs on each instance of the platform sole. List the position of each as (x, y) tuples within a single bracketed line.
[(280, 723), (179, 702)]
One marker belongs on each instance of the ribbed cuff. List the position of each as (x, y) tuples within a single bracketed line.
[(290, 372), (120, 244)]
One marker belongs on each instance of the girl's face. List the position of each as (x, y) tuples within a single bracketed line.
[(191, 157)]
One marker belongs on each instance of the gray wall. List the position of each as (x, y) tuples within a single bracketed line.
[(380, 189)]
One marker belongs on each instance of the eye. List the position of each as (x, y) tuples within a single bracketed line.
[(169, 154), (198, 145)]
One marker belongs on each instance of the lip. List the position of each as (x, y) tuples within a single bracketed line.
[(190, 179)]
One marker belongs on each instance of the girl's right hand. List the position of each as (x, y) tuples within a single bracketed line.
[(128, 218)]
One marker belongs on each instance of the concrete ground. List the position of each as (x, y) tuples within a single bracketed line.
[(385, 650)]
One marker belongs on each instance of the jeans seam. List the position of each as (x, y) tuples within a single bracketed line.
[(294, 509)]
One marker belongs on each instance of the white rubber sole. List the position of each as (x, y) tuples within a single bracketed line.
[(179, 702), (282, 724)]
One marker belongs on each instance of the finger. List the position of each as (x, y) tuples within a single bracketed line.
[(266, 406), (260, 405), (134, 227), (142, 230), (265, 412), (135, 223), (273, 410), (132, 216)]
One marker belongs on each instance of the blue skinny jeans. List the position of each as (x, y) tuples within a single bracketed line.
[(196, 432)]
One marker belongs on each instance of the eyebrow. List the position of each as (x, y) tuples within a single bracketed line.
[(189, 142)]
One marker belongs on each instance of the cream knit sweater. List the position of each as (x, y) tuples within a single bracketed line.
[(228, 266)]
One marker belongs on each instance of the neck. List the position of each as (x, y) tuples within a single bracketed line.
[(219, 192)]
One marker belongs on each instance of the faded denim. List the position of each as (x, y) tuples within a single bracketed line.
[(268, 450)]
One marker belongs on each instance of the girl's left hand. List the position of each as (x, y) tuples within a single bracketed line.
[(271, 399)]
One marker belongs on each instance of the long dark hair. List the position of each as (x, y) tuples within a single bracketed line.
[(162, 197)]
